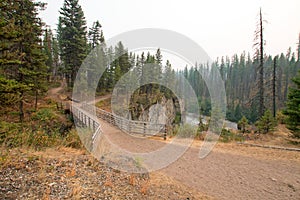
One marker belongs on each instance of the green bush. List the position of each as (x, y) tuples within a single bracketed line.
[(177, 119), (44, 114), (266, 123), (242, 124), (228, 136), (280, 117), (44, 130), (185, 131), (202, 127), (10, 134), (14, 135), (72, 140)]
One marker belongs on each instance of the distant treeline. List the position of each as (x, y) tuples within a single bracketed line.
[(239, 74), (32, 55)]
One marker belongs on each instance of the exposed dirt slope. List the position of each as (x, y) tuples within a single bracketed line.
[(72, 174)]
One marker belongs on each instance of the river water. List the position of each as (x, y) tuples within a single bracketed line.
[(192, 119)]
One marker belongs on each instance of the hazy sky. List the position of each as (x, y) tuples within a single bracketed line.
[(220, 27)]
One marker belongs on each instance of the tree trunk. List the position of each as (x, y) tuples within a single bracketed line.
[(36, 100), (21, 111), (261, 69), (274, 87)]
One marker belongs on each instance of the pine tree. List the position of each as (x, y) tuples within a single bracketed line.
[(293, 107), (57, 71), (287, 73), (96, 36), (298, 50), (122, 57), (266, 123), (158, 65), (274, 86), (168, 78), (242, 124), (10, 55), (22, 60), (260, 56), (47, 48), (72, 38)]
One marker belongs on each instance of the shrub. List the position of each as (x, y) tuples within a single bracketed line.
[(266, 123), (41, 132), (228, 136), (72, 140), (202, 127), (242, 124), (280, 117), (185, 131), (10, 134), (44, 114)]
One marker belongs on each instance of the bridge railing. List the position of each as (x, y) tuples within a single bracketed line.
[(127, 125), (85, 118)]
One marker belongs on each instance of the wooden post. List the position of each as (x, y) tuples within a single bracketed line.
[(165, 132), (80, 117), (129, 127), (94, 126)]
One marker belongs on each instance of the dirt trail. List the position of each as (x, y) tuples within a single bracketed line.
[(54, 92), (230, 171), (232, 176), (101, 98)]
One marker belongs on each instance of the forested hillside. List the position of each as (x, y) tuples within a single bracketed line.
[(32, 56), (239, 74)]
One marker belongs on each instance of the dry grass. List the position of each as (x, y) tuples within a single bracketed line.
[(76, 191), (145, 187), (77, 175), (108, 181), (71, 172), (46, 195), (132, 179), (104, 104)]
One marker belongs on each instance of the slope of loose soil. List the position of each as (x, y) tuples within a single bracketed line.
[(66, 173)]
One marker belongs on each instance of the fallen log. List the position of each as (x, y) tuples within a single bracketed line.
[(269, 147)]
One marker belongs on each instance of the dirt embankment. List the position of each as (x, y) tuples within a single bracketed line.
[(66, 173)]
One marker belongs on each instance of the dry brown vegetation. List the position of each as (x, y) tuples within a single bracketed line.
[(104, 104), (66, 173)]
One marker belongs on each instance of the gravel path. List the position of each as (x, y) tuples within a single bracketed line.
[(230, 171), (232, 176)]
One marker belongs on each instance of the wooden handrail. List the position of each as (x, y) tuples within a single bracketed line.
[(127, 125)]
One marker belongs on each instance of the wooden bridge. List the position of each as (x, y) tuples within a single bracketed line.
[(84, 114)]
